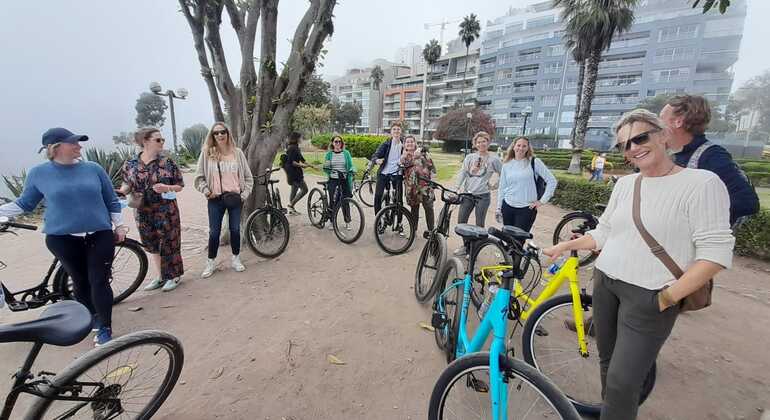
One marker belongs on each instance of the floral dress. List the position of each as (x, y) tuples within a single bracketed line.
[(158, 218), (417, 191)]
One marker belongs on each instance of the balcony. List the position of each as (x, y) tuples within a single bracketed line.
[(523, 89), (526, 73), (626, 43), (487, 66), (603, 119), (529, 57), (615, 100), (621, 63), (726, 76)]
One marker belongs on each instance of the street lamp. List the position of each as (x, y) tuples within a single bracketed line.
[(526, 113), (469, 116), (180, 93)]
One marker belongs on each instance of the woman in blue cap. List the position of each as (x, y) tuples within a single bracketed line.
[(82, 220)]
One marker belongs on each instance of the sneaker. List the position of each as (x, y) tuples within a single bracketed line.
[(211, 266), (95, 323), (171, 284), (156, 283), (236, 264), (103, 336), (460, 252)]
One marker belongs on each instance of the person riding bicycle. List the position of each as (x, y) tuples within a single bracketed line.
[(417, 192), (295, 176), (388, 156), (338, 166), (81, 208)]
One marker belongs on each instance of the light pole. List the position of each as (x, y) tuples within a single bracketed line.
[(180, 93), (526, 113), (469, 116)]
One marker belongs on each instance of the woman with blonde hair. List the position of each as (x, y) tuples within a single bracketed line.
[(224, 177), (153, 179), (518, 197), (637, 293)]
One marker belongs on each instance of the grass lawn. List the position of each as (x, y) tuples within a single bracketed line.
[(764, 197)]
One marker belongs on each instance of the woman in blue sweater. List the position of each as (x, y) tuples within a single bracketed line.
[(81, 208)]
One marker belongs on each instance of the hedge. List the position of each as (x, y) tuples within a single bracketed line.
[(752, 239), (359, 145)]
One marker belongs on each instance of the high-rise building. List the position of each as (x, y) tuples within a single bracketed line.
[(671, 48), (411, 55)]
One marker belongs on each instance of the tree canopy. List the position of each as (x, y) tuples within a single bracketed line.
[(150, 110)]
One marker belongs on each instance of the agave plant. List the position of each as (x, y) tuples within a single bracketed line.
[(112, 162), (15, 184)]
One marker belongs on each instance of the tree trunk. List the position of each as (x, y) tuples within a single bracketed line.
[(589, 86), (578, 99)]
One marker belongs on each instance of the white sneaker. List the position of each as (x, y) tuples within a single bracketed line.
[(236, 264), (171, 284), (211, 266), (155, 284)]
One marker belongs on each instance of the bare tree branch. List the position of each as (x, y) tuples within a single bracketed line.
[(222, 74)]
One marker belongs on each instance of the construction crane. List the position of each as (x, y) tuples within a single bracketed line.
[(444, 22)]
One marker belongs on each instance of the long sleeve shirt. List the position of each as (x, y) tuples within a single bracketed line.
[(517, 183), (476, 172)]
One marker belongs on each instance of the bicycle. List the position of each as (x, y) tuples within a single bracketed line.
[(267, 228), (129, 269), (507, 381), (319, 212), (365, 188), (103, 383), (573, 223), (389, 230)]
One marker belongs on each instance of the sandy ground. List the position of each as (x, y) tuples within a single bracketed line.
[(256, 343)]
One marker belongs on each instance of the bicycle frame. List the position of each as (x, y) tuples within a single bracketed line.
[(35, 296)]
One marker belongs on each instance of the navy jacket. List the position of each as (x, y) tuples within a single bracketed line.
[(743, 198), (382, 152)]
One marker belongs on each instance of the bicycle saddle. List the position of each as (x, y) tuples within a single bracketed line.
[(473, 232), (510, 234), (323, 182), (64, 323), (600, 207)]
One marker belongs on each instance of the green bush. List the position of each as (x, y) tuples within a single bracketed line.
[(359, 145), (579, 194), (753, 237), (759, 179)]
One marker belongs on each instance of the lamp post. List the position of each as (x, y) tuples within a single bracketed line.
[(180, 93), (526, 113), (469, 116)]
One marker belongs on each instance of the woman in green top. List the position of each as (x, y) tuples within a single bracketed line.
[(338, 166)]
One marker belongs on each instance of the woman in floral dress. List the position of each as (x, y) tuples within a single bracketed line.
[(154, 179), (418, 192)]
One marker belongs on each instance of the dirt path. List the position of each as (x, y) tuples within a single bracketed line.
[(256, 343)]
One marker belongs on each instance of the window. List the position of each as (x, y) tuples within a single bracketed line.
[(567, 116), (570, 100), (671, 75), (505, 58), (546, 116), (565, 131), (723, 27), (542, 21), (500, 103), (502, 89), (553, 50), (571, 83), (504, 74), (619, 80), (500, 117), (551, 84), (549, 100), (678, 32), (554, 67), (514, 27), (673, 54)]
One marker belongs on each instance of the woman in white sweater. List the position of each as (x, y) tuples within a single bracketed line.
[(636, 298)]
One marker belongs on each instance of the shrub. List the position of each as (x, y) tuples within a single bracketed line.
[(753, 237), (359, 145), (759, 179)]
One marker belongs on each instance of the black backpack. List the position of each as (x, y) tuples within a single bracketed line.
[(539, 181)]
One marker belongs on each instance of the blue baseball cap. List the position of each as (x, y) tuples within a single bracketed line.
[(60, 135)]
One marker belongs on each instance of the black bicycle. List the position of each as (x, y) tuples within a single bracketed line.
[(575, 224), (394, 228), (347, 217), (130, 376), (365, 188), (267, 228), (129, 269)]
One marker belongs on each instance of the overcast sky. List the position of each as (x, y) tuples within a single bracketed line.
[(81, 64)]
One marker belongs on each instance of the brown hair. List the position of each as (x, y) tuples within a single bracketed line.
[(694, 110), (510, 154), (483, 134), (143, 134), (212, 150), (396, 124), (331, 142)]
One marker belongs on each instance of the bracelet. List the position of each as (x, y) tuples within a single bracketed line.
[(665, 297)]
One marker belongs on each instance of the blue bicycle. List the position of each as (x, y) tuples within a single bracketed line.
[(489, 385)]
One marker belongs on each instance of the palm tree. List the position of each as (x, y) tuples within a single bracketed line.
[(431, 53), (377, 75), (469, 32), (578, 50), (593, 23)]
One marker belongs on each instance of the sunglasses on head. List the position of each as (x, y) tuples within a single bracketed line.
[(220, 132), (639, 140)]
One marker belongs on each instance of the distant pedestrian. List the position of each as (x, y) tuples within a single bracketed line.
[(295, 176)]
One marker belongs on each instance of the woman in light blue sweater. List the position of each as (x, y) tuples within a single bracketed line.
[(80, 209), (518, 197)]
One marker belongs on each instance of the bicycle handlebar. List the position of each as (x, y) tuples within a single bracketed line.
[(6, 223), (445, 190)]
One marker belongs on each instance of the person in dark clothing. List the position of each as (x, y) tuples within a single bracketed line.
[(388, 156), (686, 118), (295, 176)]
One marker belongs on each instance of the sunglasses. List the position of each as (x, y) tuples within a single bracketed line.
[(337, 141), (639, 140), (220, 132), (160, 140)]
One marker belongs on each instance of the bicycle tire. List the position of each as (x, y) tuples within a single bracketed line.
[(277, 222), (354, 208), (366, 192), (435, 247), (518, 373), (452, 271), (63, 284), (94, 357), (316, 208), (497, 256), (558, 235), (394, 212), (529, 336)]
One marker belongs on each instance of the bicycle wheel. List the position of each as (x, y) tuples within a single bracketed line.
[(463, 392), (431, 260), (267, 231), (129, 268), (348, 231), (394, 229), (449, 298), (549, 344), (489, 252), (129, 377), (366, 192), (316, 208), (566, 228)]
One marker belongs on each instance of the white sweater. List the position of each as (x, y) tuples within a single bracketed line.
[(688, 213)]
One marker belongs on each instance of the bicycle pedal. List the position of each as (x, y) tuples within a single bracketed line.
[(426, 234), (18, 306), (438, 320), (540, 331), (478, 385)]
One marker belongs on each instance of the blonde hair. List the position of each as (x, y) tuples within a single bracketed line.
[(212, 150), (510, 154), (483, 134), (143, 134), (638, 115), (50, 150)]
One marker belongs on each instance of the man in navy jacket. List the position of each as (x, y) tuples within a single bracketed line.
[(388, 156), (686, 117)]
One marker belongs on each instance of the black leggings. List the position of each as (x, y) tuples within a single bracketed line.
[(298, 190), (521, 217), (88, 260), (343, 186)]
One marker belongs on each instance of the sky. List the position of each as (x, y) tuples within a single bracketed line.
[(82, 64)]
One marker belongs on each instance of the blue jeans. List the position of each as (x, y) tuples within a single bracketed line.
[(216, 213), (598, 175)]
